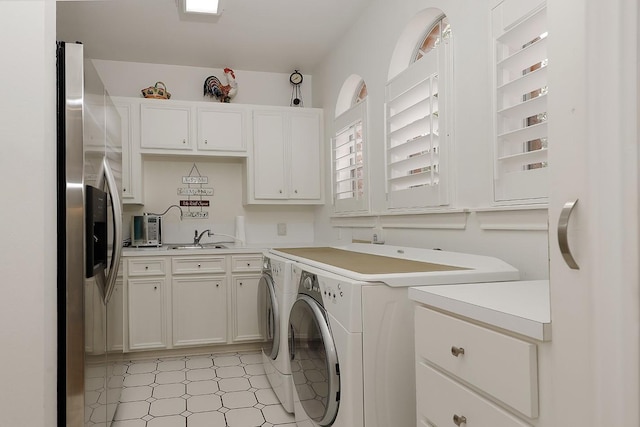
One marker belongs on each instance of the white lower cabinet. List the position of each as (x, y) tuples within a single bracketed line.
[(443, 401), (197, 301), (246, 272), (470, 375), (115, 316), (244, 299), (147, 313), (199, 310)]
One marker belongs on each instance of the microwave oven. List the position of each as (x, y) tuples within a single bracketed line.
[(146, 230)]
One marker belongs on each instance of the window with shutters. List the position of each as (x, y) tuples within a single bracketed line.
[(520, 170), (350, 183), (418, 130)]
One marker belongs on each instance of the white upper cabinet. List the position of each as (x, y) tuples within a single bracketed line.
[(269, 155), (131, 162), (304, 181), (193, 128), (165, 125), (286, 161), (222, 127)]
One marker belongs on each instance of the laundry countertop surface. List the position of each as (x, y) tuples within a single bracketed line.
[(518, 306)]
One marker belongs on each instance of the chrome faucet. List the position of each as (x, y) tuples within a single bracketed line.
[(196, 237)]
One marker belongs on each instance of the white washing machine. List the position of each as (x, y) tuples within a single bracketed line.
[(276, 294), (364, 292), (326, 338)]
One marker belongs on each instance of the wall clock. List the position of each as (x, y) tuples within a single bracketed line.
[(296, 96), (295, 78)]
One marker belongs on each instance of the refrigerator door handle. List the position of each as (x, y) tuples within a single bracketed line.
[(116, 207)]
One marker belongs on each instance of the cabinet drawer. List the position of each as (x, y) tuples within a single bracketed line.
[(439, 399), (502, 366), (146, 267), (209, 264), (246, 262)]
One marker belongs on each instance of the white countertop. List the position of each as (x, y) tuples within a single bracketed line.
[(230, 248), (521, 307)]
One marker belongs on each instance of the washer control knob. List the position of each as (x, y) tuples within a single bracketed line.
[(307, 283)]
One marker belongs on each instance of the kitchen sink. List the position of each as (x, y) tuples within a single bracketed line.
[(198, 246)]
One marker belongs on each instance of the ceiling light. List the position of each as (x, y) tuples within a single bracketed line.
[(211, 7)]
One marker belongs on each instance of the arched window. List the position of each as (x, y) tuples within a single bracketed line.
[(361, 93), (438, 31), (418, 105), (349, 166)]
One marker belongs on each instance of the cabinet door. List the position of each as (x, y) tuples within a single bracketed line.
[(165, 127), (115, 315), (222, 129), (125, 122), (199, 309), (147, 313), (269, 155), (245, 308), (131, 161), (304, 133), (593, 119)]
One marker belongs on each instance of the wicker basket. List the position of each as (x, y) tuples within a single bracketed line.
[(155, 92)]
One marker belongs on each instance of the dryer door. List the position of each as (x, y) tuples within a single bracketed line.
[(315, 361), (269, 316)]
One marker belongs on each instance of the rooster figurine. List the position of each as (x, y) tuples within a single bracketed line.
[(214, 88)]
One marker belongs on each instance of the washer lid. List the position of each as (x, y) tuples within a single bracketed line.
[(402, 266), (315, 369)]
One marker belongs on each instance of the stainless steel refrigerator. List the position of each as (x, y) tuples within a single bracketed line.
[(89, 165)]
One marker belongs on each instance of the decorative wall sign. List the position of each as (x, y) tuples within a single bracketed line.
[(197, 215), (195, 191), (194, 203), (194, 178)]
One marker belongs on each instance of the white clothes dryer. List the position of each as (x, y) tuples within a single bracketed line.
[(276, 294)]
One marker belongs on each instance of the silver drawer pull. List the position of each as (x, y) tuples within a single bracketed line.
[(459, 419), (457, 351)]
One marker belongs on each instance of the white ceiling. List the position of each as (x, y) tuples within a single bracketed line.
[(254, 35)]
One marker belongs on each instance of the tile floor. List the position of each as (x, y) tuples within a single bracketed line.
[(219, 390)]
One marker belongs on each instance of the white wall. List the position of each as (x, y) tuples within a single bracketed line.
[(186, 83), (162, 177), (28, 228), (367, 50)]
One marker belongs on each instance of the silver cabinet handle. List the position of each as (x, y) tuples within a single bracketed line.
[(457, 351), (563, 234), (459, 419)]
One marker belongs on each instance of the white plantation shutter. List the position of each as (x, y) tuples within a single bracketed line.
[(417, 131), (521, 106), (350, 190)]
